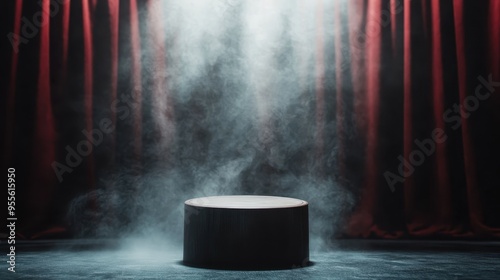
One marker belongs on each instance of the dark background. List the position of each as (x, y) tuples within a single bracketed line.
[(348, 127)]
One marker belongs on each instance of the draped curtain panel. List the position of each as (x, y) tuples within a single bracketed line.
[(398, 106)]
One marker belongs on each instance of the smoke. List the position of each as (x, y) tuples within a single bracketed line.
[(242, 79)]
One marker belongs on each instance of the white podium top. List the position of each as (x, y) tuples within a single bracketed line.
[(245, 202)]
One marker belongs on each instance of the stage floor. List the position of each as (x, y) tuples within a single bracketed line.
[(350, 259)]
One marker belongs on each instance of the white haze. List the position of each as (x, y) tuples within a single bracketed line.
[(242, 75)]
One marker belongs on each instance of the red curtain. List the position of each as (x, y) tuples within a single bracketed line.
[(441, 55), (415, 97)]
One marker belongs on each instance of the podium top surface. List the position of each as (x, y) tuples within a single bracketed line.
[(245, 202)]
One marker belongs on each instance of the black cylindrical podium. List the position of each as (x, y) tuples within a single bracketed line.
[(246, 232)]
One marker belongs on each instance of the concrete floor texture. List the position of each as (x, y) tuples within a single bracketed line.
[(351, 259)]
